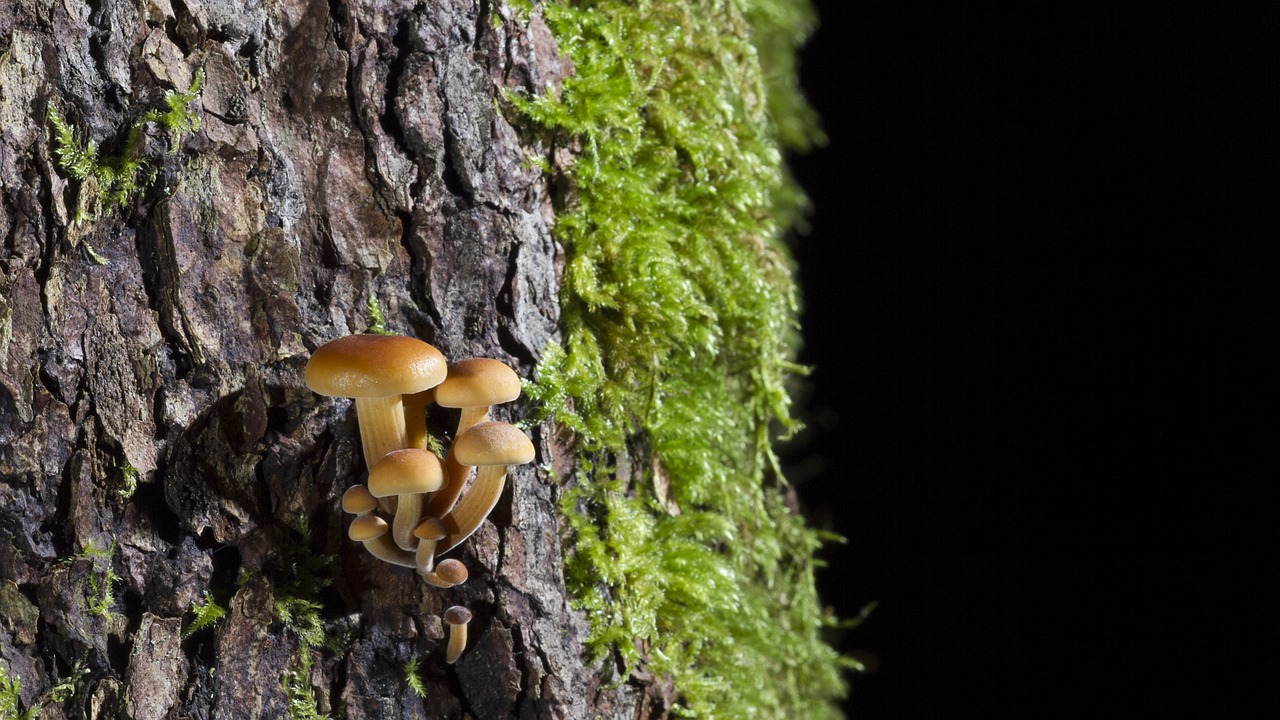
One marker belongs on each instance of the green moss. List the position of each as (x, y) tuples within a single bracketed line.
[(205, 612), (377, 318), (412, 679), (10, 689), (99, 596), (679, 313), (303, 576), (111, 181), (128, 479)]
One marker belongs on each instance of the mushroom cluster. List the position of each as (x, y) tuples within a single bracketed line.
[(413, 508)]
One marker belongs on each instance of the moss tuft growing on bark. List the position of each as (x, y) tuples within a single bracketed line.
[(680, 324), (111, 181)]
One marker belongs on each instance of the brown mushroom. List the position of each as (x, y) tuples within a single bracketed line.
[(408, 473), (457, 618), (376, 370), (429, 532), (372, 530), (448, 573), (473, 385), (491, 447)]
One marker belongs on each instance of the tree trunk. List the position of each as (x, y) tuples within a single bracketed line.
[(158, 449)]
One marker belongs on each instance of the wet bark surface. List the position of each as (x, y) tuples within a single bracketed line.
[(348, 150)]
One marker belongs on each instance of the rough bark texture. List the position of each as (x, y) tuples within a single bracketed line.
[(349, 149)]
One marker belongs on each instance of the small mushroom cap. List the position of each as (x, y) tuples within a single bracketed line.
[(453, 572), (357, 499), (370, 366), (478, 382), (369, 527), (457, 615), (492, 443), (430, 529), (405, 472)]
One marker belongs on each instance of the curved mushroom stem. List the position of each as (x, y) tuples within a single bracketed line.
[(426, 556), (378, 543), (408, 514), (381, 426), (384, 549), (429, 532), (466, 517), (455, 478), (456, 474)]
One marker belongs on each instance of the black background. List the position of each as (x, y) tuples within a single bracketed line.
[(1034, 291)]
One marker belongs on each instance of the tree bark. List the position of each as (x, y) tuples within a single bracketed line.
[(349, 149)]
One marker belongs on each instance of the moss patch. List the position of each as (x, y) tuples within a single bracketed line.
[(112, 181), (679, 317)]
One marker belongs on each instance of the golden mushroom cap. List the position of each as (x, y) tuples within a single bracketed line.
[(430, 529), (493, 443), (369, 527), (370, 366), (358, 499), (478, 382), (405, 472)]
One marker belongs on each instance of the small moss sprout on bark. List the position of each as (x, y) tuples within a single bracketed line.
[(107, 182)]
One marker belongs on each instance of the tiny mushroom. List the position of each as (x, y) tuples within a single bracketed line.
[(429, 532), (491, 447), (447, 574), (473, 385), (372, 531), (457, 618), (407, 473), (376, 370)]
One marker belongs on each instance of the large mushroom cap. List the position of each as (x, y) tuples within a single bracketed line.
[(493, 443), (478, 382), (369, 366), (404, 472)]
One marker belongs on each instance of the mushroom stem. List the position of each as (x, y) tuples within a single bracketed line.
[(455, 478), (467, 515), (371, 531), (429, 532), (470, 416), (457, 618), (381, 426), (408, 514), (415, 418), (456, 474), (384, 549), (426, 556), (457, 643)]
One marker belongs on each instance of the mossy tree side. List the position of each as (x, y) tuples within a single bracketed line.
[(170, 538)]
